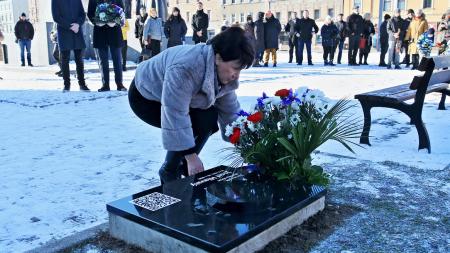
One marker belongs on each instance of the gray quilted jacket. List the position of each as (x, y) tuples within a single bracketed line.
[(185, 77)]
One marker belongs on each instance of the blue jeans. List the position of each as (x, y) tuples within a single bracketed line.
[(301, 45), (116, 54), (340, 46), (25, 44)]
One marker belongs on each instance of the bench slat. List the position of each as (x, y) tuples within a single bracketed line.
[(441, 62), (399, 93)]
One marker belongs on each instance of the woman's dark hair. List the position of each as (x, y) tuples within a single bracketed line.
[(234, 44), (172, 17), (387, 16), (410, 11)]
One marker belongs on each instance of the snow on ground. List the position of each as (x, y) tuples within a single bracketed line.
[(64, 156)]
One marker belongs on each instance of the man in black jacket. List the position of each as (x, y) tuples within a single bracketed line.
[(24, 32), (384, 40), (355, 25), (139, 26), (200, 23), (394, 29), (342, 28), (259, 36), (290, 30), (305, 28), (405, 44)]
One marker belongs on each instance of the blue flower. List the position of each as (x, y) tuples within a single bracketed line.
[(261, 100), (290, 98), (242, 113)]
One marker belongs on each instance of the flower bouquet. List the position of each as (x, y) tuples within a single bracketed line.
[(425, 44), (280, 134), (109, 14)]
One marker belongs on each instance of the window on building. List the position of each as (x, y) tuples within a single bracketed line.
[(233, 1), (188, 16), (387, 5), (187, 1), (358, 2), (277, 15), (233, 18), (401, 4), (224, 1), (209, 14), (242, 18), (224, 17), (178, 2), (427, 3), (316, 14), (331, 12), (289, 15)]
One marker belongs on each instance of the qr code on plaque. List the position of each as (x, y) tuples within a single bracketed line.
[(154, 201)]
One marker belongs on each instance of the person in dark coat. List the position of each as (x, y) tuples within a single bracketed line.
[(139, 26), (394, 29), (405, 44), (384, 40), (259, 36), (341, 25), (272, 29), (69, 16), (200, 23), (368, 32), (107, 38), (175, 28), (355, 27), (329, 32), (24, 32), (249, 27), (289, 28), (305, 28)]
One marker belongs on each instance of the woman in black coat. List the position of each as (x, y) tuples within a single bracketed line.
[(107, 38), (329, 32), (175, 29), (368, 32), (69, 16)]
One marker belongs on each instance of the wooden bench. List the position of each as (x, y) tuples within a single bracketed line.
[(436, 78)]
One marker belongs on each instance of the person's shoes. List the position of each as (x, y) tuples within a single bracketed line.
[(325, 63), (365, 63), (266, 64), (299, 63), (256, 65), (310, 64), (382, 65), (338, 62), (413, 68), (274, 65), (124, 69), (398, 67), (290, 61), (23, 64), (66, 88), (104, 88), (30, 65), (331, 63), (408, 64), (389, 67), (120, 87), (58, 73), (83, 87)]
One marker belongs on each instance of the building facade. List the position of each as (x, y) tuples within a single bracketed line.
[(10, 11)]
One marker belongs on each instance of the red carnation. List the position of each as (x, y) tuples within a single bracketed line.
[(282, 93), (234, 138), (255, 117)]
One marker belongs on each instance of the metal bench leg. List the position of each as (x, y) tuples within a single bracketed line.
[(424, 139), (364, 139), (442, 102)]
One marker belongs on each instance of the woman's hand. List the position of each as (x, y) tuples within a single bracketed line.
[(194, 164)]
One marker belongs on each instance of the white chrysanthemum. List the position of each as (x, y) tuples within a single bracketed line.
[(274, 100), (228, 130), (301, 91), (251, 126), (314, 95), (289, 136), (279, 125), (241, 120), (295, 106), (294, 120)]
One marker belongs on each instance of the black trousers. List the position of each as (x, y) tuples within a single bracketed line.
[(155, 47), (204, 124), (124, 53), (65, 57), (292, 48), (116, 54), (364, 53), (56, 55), (328, 53), (353, 48), (384, 49)]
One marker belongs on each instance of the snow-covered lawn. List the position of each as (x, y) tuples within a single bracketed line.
[(64, 156)]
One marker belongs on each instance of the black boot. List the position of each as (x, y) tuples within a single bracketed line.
[(266, 64), (66, 87), (104, 88), (415, 61), (120, 87), (83, 87)]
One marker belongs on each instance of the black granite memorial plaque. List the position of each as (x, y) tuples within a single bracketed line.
[(216, 210)]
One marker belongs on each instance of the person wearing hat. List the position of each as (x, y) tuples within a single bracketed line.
[(394, 29), (418, 26), (405, 44), (355, 26), (24, 32)]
